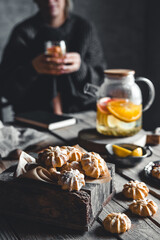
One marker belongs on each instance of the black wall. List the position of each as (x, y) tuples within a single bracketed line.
[(128, 29)]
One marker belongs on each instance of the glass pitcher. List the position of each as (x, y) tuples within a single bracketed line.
[(119, 102)]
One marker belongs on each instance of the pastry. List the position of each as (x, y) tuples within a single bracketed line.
[(117, 223), (93, 165), (71, 180), (53, 157), (143, 207), (156, 172), (135, 190), (72, 165), (73, 153)]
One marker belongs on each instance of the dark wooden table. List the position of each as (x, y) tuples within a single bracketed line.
[(142, 228)]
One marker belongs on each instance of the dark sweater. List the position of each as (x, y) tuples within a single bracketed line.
[(26, 89)]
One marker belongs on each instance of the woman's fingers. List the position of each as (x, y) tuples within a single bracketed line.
[(55, 66), (54, 60), (72, 61)]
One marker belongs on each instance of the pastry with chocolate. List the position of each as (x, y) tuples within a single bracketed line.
[(156, 172)]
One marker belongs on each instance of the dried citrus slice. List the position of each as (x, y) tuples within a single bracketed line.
[(120, 151), (125, 110), (137, 152)]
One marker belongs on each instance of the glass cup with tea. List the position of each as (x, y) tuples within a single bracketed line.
[(57, 48)]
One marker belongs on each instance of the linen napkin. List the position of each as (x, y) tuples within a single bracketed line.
[(13, 138), (28, 168)]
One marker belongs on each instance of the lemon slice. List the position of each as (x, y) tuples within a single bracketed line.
[(112, 121), (115, 122), (120, 151), (137, 152), (126, 126)]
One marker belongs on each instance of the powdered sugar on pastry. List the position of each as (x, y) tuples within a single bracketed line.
[(72, 165), (93, 165), (53, 157), (143, 207), (73, 153), (71, 180)]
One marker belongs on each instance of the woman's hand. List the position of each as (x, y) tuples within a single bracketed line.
[(47, 65), (54, 65), (72, 63)]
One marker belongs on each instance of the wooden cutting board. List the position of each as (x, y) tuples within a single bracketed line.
[(90, 139)]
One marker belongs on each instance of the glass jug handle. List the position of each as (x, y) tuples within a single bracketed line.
[(151, 91)]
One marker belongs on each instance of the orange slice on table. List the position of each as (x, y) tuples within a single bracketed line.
[(125, 110)]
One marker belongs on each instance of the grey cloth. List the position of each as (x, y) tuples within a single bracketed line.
[(17, 138), (26, 89)]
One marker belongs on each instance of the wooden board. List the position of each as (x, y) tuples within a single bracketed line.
[(47, 203), (90, 139)]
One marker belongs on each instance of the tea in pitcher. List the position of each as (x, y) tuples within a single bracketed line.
[(118, 117), (119, 102)]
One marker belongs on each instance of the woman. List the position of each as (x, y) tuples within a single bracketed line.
[(33, 81)]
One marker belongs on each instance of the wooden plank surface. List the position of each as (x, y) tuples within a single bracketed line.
[(137, 173), (140, 229), (50, 140), (69, 134), (36, 231), (123, 201), (148, 228), (6, 231)]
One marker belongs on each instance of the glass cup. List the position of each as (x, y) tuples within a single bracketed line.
[(57, 48)]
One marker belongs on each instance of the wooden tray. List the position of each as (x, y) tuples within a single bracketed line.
[(90, 139), (43, 202)]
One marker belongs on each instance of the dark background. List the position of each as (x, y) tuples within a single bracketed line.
[(129, 31)]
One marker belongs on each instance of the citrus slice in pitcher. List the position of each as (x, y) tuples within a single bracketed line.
[(115, 122), (102, 105), (125, 110)]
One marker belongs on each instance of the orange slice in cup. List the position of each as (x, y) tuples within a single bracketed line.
[(125, 110), (120, 151), (137, 152)]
